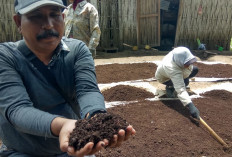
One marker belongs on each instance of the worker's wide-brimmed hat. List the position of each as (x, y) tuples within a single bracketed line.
[(26, 6)]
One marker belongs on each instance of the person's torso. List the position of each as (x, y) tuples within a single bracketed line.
[(77, 22), (44, 97), (168, 68)]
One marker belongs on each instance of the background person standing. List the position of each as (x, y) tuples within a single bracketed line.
[(82, 22)]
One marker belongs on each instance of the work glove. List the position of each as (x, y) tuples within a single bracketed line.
[(193, 110)]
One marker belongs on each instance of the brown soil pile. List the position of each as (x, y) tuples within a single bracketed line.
[(99, 127), (126, 93), (217, 94), (125, 72), (137, 71)]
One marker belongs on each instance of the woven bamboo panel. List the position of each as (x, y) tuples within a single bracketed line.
[(148, 16), (127, 22), (8, 28), (108, 17), (212, 27), (117, 23)]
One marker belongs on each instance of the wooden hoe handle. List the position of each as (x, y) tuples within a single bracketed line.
[(213, 133)]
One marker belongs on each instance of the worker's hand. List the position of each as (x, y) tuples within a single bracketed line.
[(122, 136), (64, 134), (88, 149), (193, 110), (116, 141)]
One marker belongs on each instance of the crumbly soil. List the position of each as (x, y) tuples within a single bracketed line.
[(99, 127), (138, 71), (214, 70), (126, 93), (164, 128), (125, 72)]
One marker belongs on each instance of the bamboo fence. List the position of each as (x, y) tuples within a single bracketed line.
[(8, 29), (127, 22), (148, 16), (108, 18), (119, 23), (208, 20)]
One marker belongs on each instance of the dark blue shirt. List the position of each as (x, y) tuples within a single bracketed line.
[(29, 103)]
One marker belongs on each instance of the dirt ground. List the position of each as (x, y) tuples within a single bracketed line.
[(127, 57), (164, 127)]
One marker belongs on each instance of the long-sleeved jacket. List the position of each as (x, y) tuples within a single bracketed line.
[(172, 68), (29, 103), (83, 24)]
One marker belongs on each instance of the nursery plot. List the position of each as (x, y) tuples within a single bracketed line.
[(164, 128), (125, 72)]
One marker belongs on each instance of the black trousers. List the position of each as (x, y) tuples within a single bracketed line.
[(186, 81)]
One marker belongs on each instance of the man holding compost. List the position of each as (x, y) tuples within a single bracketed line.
[(46, 83), (174, 71)]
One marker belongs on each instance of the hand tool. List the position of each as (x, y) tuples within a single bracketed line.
[(219, 139)]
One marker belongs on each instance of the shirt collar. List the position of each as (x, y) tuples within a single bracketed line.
[(81, 4), (30, 55), (64, 47)]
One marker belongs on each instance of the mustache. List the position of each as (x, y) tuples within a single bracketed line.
[(47, 33)]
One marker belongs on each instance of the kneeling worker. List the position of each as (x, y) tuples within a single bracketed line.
[(174, 71)]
